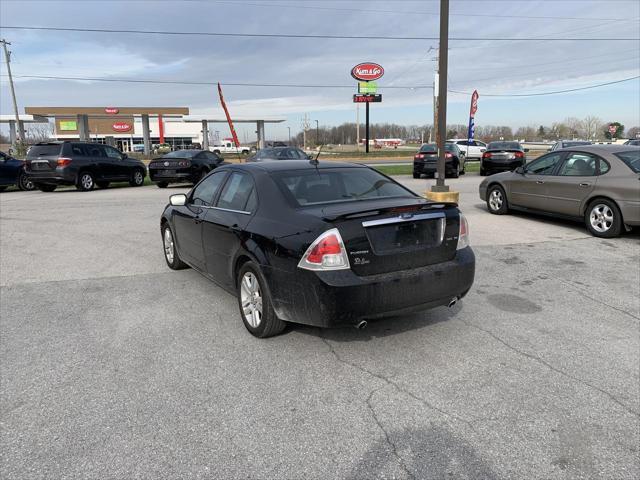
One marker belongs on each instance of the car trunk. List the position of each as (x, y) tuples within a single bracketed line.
[(503, 155), (43, 158), (396, 234)]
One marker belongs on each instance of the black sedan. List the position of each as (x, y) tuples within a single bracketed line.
[(324, 244), (278, 153), (183, 166), (426, 160), (502, 157), (12, 173)]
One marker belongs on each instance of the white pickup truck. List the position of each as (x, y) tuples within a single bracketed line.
[(473, 149), (229, 147)]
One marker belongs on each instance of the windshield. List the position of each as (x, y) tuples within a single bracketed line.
[(504, 146), (182, 154), (314, 187), (631, 159), (433, 148), (44, 150)]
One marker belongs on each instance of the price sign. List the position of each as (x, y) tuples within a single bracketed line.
[(358, 98), (367, 87)]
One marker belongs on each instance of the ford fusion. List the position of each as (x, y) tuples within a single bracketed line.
[(323, 244)]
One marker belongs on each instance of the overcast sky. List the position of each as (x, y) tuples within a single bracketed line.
[(491, 67)]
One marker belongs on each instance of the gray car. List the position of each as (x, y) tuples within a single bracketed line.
[(595, 183)]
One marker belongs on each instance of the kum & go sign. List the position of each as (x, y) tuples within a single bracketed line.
[(367, 71)]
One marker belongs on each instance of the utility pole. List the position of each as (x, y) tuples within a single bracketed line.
[(305, 123), (440, 191), (7, 56), (317, 133), (289, 128)]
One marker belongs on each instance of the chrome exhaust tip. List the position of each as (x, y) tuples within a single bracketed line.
[(362, 325), (453, 301)]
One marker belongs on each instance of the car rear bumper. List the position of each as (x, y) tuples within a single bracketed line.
[(52, 177), (341, 298), (501, 166), (175, 177), (432, 167), (630, 211)]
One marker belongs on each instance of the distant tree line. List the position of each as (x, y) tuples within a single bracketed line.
[(588, 128)]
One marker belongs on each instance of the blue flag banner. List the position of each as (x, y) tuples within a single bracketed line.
[(472, 115)]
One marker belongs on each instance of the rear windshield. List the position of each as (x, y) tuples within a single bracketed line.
[(182, 154), (504, 146), (314, 187), (44, 150), (632, 159), (432, 148), (574, 144)]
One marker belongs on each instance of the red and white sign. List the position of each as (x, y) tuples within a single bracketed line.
[(111, 110), (121, 126), (612, 129), (367, 71)]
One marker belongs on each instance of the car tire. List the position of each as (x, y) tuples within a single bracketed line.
[(137, 178), (603, 218), (162, 184), (86, 182), (254, 301), (456, 173), (497, 200), (170, 250), (416, 175), (483, 172), (102, 184), (203, 173), (24, 183)]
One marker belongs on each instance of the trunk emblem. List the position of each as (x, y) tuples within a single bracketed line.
[(406, 215), (166, 164)]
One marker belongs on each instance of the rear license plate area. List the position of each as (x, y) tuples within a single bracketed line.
[(405, 236), (40, 166), (167, 173)]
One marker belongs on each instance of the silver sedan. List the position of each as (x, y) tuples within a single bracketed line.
[(595, 183)]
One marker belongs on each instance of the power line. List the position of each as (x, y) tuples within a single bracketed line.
[(400, 12), (279, 85), (311, 36), (551, 93)]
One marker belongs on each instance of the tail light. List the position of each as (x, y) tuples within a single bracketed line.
[(63, 161), (486, 155), (327, 252), (448, 155), (184, 163), (419, 156), (463, 236), (519, 155)]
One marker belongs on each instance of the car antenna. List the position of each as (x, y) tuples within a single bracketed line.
[(314, 161)]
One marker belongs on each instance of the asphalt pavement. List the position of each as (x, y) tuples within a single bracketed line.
[(114, 366)]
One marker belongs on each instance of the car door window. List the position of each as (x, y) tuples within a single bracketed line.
[(96, 151), (236, 192), (603, 167), (113, 153), (78, 150), (209, 156), (578, 165), (544, 165), (205, 191)]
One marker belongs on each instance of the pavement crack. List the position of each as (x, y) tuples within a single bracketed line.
[(395, 385), (390, 442), (585, 295), (551, 367)]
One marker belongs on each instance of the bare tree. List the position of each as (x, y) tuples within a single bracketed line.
[(39, 132), (633, 132), (575, 126), (591, 126)]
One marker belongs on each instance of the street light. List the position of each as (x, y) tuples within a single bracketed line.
[(317, 132), (289, 128)]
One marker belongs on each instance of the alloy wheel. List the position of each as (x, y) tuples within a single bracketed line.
[(168, 245), (601, 218), (495, 200), (251, 299), (138, 178), (86, 181)]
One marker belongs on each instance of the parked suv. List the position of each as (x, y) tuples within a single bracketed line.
[(82, 164), (471, 149)]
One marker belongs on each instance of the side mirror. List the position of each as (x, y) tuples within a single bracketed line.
[(520, 170), (178, 199), (526, 150)]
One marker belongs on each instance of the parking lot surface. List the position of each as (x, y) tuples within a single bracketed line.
[(113, 366)]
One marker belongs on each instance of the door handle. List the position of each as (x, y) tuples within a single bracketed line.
[(539, 182), (585, 184)]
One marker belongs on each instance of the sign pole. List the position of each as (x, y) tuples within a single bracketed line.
[(367, 127)]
